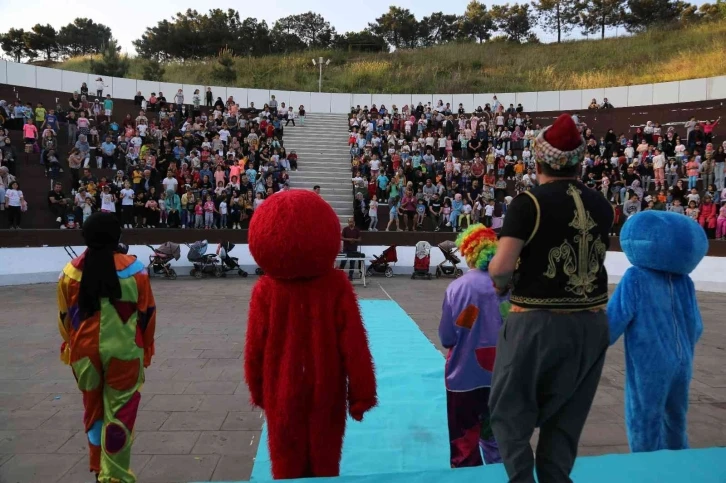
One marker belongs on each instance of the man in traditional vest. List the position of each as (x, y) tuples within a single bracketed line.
[(551, 349)]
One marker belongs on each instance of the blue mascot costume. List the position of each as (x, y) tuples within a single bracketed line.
[(655, 307)]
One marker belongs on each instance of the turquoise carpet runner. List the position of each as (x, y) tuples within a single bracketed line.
[(405, 439), (408, 429)]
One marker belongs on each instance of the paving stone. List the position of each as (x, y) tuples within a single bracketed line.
[(23, 418), (240, 443), (70, 419), (78, 444), (198, 374), (194, 421), (225, 403), (161, 402), (232, 468), (248, 421), (212, 387), (150, 420), (33, 441), (36, 468), (152, 387), (221, 354), (178, 468), (164, 442)]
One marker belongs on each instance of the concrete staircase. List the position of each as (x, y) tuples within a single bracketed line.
[(323, 159)]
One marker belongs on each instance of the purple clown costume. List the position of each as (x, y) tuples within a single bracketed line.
[(470, 322)]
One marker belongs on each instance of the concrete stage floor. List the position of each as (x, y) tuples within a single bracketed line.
[(195, 423)]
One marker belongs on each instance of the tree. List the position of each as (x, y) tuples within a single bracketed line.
[(556, 16), (313, 29), (477, 22), (82, 37), (364, 41), (438, 28), (14, 43), (43, 39), (152, 70), (596, 15), (223, 70), (713, 11), (513, 21), (643, 14), (398, 26), (112, 63)]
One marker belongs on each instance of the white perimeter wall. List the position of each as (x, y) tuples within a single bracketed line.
[(627, 96), (20, 266)]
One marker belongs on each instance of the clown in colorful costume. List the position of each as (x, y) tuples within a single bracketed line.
[(470, 321), (654, 306), (108, 345)]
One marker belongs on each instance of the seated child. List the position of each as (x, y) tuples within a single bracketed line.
[(470, 321)]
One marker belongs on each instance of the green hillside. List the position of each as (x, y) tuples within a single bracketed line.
[(495, 66)]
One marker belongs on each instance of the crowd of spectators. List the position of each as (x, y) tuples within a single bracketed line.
[(174, 164), (440, 168)]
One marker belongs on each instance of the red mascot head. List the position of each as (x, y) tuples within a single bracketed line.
[(295, 234)]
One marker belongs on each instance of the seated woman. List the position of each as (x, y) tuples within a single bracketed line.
[(593, 105)]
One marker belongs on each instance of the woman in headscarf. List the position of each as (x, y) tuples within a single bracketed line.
[(107, 318)]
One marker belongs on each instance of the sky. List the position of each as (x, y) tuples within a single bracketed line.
[(129, 19)]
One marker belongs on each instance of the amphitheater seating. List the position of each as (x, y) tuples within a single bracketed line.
[(36, 186)]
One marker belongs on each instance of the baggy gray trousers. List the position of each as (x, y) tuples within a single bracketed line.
[(546, 373)]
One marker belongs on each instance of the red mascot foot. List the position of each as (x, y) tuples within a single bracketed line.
[(306, 355)]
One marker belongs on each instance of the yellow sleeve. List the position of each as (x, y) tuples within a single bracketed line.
[(63, 319)]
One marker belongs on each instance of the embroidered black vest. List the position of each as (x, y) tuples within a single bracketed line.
[(562, 264)]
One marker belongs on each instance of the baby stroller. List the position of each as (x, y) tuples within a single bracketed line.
[(422, 261), (448, 267), (229, 263), (382, 264), (204, 263), (160, 259)]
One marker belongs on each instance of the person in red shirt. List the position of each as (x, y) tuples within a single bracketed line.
[(708, 129)]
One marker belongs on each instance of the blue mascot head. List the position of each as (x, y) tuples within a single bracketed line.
[(663, 241)]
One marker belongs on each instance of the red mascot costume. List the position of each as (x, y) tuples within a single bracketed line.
[(307, 358)]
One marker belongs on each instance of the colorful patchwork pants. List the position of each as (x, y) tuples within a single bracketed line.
[(110, 381), (470, 434)]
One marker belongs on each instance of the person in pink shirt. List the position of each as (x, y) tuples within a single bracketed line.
[(209, 210), (721, 223), (219, 175), (235, 170), (708, 129), (30, 134)]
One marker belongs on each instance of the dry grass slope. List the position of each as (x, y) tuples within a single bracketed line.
[(497, 66)]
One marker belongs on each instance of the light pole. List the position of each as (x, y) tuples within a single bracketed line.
[(320, 76)]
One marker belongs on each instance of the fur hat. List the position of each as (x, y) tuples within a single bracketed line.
[(560, 145)]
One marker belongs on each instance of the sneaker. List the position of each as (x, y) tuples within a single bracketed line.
[(182, 227), (113, 167), (63, 227), (58, 220)]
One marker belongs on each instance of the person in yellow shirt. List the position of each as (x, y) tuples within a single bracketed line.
[(40, 113), (136, 177)]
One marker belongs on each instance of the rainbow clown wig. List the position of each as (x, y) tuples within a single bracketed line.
[(477, 245)]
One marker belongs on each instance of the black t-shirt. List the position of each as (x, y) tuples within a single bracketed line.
[(435, 206), (75, 103), (55, 196)]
